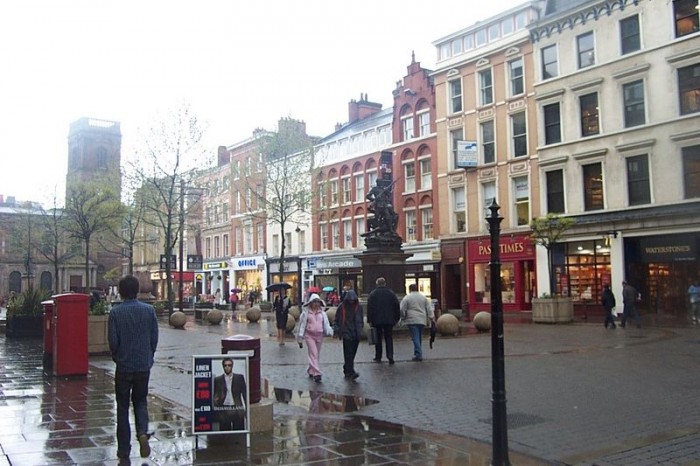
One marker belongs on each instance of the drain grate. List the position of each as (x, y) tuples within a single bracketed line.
[(516, 420)]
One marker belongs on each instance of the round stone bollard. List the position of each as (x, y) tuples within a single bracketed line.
[(291, 322), (482, 321), (253, 314), (330, 313), (215, 316), (294, 311), (178, 319), (447, 324)]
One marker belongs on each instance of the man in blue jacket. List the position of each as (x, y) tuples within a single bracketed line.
[(133, 338)]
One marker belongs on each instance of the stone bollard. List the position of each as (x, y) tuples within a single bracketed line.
[(253, 314), (178, 319), (482, 321), (330, 313), (291, 322), (447, 324), (215, 316), (294, 311)]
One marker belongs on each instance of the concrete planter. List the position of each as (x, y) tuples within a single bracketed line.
[(98, 342), (24, 326), (552, 310), (265, 307)]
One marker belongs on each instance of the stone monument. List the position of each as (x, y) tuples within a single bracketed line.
[(383, 256)]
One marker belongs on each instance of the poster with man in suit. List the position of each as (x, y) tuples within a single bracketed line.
[(229, 398)]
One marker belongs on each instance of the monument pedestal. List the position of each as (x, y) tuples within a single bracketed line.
[(391, 265)]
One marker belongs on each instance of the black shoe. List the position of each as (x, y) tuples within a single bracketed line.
[(354, 376), (417, 359), (377, 359), (144, 447), (317, 378), (391, 361)]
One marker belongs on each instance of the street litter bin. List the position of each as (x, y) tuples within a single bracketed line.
[(243, 343), (47, 361), (70, 334)]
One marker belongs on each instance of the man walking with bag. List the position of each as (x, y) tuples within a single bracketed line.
[(382, 314)]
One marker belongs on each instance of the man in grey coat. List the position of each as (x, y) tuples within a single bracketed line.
[(382, 313), (415, 312)]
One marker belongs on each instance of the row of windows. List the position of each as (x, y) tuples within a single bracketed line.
[(633, 109), (638, 182), (219, 214), (220, 246), (485, 91), (630, 39), (483, 36)]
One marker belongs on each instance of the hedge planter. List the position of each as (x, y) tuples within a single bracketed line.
[(552, 310), (24, 326), (265, 307)]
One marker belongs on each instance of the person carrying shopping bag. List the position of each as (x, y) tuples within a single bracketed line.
[(313, 326)]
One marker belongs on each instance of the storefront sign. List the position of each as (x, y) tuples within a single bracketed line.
[(466, 154), (511, 248), (215, 266), (248, 263), (339, 263), (668, 248)]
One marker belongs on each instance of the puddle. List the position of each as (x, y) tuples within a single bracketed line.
[(316, 401)]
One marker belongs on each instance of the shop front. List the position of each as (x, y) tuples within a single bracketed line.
[(453, 278), (249, 277), (423, 270), (661, 268), (336, 273), (290, 273), (217, 279), (518, 277)]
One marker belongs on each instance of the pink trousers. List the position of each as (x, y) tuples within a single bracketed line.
[(313, 345)]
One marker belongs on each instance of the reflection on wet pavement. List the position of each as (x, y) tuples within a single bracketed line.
[(48, 420)]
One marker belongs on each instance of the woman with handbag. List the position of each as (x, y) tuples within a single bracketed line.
[(313, 326)]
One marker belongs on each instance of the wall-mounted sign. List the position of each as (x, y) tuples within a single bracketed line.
[(339, 263), (194, 261), (164, 261), (467, 152), (215, 266)]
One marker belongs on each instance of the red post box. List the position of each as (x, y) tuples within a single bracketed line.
[(70, 334), (48, 335), (242, 343)]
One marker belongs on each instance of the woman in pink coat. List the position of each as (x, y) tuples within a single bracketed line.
[(313, 326)]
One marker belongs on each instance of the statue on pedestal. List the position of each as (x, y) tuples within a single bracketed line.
[(381, 227)]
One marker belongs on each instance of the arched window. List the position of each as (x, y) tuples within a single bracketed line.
[(15, 282), (45, 281)]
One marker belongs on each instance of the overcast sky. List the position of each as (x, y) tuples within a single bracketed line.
[(239, 64)]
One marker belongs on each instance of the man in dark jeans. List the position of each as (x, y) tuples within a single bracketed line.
[(133, 338), (382, 313)]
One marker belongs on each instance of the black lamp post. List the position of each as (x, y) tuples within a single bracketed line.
[(498, 377)]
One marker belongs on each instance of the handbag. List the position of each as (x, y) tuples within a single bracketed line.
[(372, 336)]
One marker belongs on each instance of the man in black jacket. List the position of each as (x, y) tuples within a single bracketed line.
[(382, 313)]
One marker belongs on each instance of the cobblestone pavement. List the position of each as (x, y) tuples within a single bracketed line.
[(577, 394)]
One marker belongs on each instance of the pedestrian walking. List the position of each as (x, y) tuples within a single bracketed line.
[(383, 312), (629, 303), (694, 297), (281, 306), (608, 302), (347, 326), (416, 312), (133, 338), (313, 326)]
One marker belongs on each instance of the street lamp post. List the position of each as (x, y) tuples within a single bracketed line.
[(180, 286), (498, 377)]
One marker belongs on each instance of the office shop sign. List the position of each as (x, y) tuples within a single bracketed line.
[(248, 263)]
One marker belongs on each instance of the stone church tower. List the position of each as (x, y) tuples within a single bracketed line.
[(94, 152), (94, 155)]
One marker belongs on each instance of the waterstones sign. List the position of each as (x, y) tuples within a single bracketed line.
[(668, 249)]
